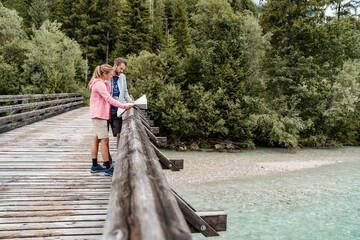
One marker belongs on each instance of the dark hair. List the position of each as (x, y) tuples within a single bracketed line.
[(119, 60)]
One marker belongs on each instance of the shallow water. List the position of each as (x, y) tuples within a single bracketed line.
[(318, 200)]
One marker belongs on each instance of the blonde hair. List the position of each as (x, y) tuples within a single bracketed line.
[(99, 70)]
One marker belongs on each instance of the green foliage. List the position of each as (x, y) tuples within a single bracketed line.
[(93, 24), (38, 12), (13, 46), (209, 68), (308, 56), (343, 97), (21, 6), (278, 130), (174, 115), (54, 62), (217, 39), (205, 116), (62, 11), (145, 75), (179, 29), (159, 27), (9, 80), (240, 6), (134, 34)]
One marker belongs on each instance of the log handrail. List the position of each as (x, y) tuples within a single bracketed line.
[(38, 104), (9, 98), (141, 204), (17, 111)]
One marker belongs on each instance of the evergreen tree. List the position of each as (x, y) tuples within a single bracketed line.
[(240, 6), (191, 7), (88, 30), (168, 11), (111, 12), (217, 37), (308, 53), (344, 8), (134, 34), (179, 29), (38, 12), (292, 21), (159, 27), (93, 24), (62, 11)]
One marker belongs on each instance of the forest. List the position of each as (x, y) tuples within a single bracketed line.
[(217, 73)]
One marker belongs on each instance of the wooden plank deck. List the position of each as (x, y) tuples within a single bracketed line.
[(46, 188)]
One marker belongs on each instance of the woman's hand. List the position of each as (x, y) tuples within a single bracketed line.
[(128, 105)]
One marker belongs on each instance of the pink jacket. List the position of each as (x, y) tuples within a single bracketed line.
[(100, 100)]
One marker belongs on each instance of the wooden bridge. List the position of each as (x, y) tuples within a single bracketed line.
[(48, 192)]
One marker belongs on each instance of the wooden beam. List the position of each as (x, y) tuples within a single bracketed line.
[(154, 130), (199, 224), (37, 104), (178, 163), (151, 123), (145, 122), (216, 219), (164, 160), (11, 98), (152, 137), (159, 141), (162, 140), (25, 115)]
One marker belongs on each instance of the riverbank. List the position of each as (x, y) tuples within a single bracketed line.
[(201, 167)]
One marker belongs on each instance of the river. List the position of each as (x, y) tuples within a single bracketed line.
[(272, 193)]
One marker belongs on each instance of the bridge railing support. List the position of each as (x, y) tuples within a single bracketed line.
[(20, 110), (142, 205)]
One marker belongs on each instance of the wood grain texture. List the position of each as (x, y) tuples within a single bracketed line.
[(46, 188), (141, 204)]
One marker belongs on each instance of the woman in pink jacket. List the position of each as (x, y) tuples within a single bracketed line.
[(100, 102)]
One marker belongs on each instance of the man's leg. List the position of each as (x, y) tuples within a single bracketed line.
[(110, 123), (117, 140), (116, 124)]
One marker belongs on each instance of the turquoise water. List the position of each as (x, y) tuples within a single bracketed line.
[(318, 203)]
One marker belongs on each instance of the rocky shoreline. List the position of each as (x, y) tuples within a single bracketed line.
[(203, 167)]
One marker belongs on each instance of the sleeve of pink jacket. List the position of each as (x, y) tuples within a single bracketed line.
[(106, 95)]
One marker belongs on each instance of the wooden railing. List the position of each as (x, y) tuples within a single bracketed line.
[(142, 205), (20, 110)]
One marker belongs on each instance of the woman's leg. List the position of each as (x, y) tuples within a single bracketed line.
[(95, 147)]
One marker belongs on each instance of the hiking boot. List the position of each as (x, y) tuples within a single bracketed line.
[(98, 168), (109, 172)]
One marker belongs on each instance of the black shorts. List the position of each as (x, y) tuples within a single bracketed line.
[(115, 123)]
